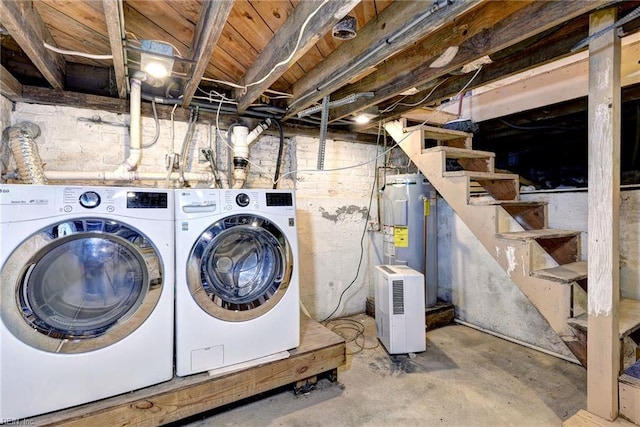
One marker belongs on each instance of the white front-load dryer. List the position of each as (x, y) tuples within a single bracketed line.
[(237, 287), (86, 300)]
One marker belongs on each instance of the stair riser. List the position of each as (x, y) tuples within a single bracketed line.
[(521, 217)]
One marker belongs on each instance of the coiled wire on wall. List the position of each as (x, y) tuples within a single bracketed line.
[(25, 151)]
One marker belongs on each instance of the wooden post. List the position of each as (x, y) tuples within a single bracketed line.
[(603, 351)]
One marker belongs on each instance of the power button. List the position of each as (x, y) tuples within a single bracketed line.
[(89, 199), (242, 200)]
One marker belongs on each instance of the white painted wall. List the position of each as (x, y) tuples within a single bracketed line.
[(333, 209), (483, 293)]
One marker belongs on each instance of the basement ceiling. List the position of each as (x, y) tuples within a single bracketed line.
[(279, 58)]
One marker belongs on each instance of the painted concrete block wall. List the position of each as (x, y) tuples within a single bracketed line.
[(483, 293), (332, 205), (333, 209), (71, 143)]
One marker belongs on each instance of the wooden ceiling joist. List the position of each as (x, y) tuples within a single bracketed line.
[(24, 24), (213, 16), (9, 86), (115, 26), (513, 26), (397, 27), (288, 38), (524, 56)]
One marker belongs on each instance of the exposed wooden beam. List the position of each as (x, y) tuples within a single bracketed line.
[(213, 16), (492, 27), (603, 351), (397, 27), (321, 18), (114, 20), (24, 24), (9, 86), (541, 49)]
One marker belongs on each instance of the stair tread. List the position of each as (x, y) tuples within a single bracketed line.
[(491, 201), (481, 175), (629, 310), (459, 153), (543, 233), (565, 273), (439, 134)]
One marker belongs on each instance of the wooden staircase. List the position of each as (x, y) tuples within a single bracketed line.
[(544, 263)]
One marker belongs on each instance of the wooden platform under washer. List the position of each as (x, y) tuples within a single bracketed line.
[(321, 351)]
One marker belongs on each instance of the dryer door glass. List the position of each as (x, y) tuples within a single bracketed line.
[(243, 264), (82, 284)]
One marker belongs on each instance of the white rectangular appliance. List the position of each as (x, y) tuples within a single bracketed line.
[(400, 321)]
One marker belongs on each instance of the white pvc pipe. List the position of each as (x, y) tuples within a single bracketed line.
[(239, 140), (128, 176), (135, 133)]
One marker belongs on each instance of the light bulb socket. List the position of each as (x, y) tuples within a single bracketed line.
[(156, 58)]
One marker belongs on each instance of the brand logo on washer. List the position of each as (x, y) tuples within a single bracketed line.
[(292, 222)]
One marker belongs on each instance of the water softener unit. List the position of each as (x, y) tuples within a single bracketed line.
[(410, 228)]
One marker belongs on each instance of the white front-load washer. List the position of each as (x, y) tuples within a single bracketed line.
[(237, 287), (87, 291)]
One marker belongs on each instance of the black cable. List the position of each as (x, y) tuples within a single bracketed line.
[(276, 175), (345, 324), (511, 125), (364, 232)]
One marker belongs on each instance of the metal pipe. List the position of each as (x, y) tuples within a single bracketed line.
[(25, 151)]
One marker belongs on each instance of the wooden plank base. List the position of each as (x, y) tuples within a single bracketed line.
[(321, 351), (441, 314)]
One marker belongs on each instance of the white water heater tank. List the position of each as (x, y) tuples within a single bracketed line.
[(410, 228)]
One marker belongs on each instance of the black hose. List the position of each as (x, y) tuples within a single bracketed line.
[(276, 175), (213, 106)]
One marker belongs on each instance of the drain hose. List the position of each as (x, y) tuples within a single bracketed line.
[(25, 151)]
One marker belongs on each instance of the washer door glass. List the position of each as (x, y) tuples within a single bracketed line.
[(85, 284), (240, 267)]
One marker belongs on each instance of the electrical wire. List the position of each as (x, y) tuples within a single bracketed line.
[(76, 53), (157, 123), (293, 51), (364, 232), (415, 104), (351, 330), (221, 95), (391, 148)]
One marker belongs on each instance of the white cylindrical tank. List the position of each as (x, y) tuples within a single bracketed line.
[(410, 228)]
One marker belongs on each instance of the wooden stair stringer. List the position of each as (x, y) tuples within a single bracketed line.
[(550, 298)]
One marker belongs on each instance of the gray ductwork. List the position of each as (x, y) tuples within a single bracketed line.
[(20, 138)]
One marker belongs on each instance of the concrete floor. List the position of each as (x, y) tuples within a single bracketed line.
[(465, 378)]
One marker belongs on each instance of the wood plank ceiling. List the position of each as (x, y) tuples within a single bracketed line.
[(279, 57)]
